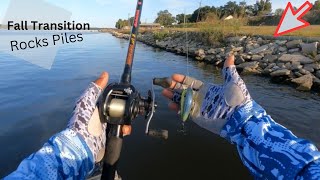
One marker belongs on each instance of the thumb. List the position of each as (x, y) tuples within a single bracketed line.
[(102, 81), (230, 61)]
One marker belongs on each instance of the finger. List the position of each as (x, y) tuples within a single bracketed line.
[(167, 93), (230, 61), (173, 96), (126, 130), (102, 81), (182, 81), (174, 106)]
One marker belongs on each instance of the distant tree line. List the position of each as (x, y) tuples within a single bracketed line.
[(261, 9)]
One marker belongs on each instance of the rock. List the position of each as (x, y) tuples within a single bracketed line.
[(270, 58), (275, 68), (316, 81), (212, 51), (294, 50), (220, 50), (310, 49), (281, 43), (237, 49), (218, 62), (287, 65), (282, 49), (293, 44), (281, 72), (318, 74), (256, 45), (304, 72), (304, 83), (280, 64), (256, 57), (209, 58), (239, 60), (266, 71), (248, 70), (263, 65), (260, 49), (296, 66), (317, 58), (270, 66), (200, 54), (249, 47), (237, 39), (295, 58), (311, 67), (246, 57), (298, 74), (252, 65)]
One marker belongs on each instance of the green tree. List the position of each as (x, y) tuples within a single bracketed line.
[(231, 8), (165, 18), (121, 23), (180, 18), (242, 9), (201, 13), (262, 6), (279, 11), (316, 5)]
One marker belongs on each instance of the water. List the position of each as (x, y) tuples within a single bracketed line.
[(36, 103)]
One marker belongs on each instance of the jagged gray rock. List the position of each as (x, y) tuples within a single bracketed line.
[(296, 66), (311, 67), (304, 83), (260, 49), (256, 57), (237, 39), (318, 74), (239, 60), (294, 50), (293, 44), (282, 49), (310, 48), (212, 51), (281, 72), (252, 65), (270, 58), (304, 71), (200, 54), (295, 58)]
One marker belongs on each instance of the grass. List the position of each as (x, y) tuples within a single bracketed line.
[(311, 31)]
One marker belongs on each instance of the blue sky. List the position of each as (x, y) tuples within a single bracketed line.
[(104, 13)]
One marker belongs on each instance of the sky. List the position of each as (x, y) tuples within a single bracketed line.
[(105, 13)]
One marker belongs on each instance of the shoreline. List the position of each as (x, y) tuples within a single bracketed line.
[(286, 60)]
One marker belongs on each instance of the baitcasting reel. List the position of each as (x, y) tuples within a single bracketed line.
[(121, 104)]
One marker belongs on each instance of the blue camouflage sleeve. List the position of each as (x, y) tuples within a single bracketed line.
[(269, 150), (64, 156)]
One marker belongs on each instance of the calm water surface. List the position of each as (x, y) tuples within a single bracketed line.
[(36, 103)]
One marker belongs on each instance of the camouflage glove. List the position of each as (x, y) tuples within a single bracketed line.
[(85, 120), (213, 104)]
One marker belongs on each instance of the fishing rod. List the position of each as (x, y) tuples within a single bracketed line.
[(121, 103)]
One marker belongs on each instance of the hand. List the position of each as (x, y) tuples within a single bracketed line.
[(213, 104), (86, 120)]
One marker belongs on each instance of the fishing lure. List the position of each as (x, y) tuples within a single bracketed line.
[(186, 103)]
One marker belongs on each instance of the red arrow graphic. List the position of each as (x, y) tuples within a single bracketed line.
[(291, 20)]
